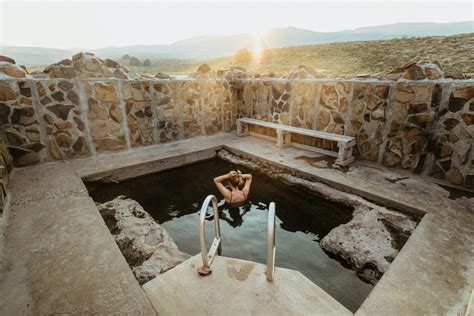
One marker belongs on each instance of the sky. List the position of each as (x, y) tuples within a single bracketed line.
[(92, 24)]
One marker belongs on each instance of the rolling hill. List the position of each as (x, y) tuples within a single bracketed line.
[(213, 46), (344, 58)]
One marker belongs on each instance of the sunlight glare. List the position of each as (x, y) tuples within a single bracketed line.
[(259, 35)]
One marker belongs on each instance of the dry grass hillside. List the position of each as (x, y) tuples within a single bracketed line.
[(336, 59), (344, 59)]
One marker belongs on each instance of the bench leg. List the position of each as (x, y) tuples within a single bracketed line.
[(283, 139), (242, 129), (344, 156)]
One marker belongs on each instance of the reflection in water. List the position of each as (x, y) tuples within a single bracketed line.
[(233, 215), (174, 199)]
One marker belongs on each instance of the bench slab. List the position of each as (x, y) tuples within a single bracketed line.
[(283, 139)]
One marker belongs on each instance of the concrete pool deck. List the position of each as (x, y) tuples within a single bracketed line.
[(238, 287), (59, 256)]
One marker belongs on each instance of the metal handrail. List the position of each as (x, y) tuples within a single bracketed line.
[(271, 247), (208, 257)]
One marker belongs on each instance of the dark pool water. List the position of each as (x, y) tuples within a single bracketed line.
[(174, 198)]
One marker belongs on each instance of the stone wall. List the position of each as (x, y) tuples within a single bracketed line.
[(58, 118), (424, 126), (416, 117), (451, 146), (83, 106), (19, 120), (61, 118), (6, 165)]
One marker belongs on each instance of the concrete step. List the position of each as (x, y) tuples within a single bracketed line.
[(237, 287)]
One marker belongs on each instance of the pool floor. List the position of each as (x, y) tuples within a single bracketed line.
[(174, 198)]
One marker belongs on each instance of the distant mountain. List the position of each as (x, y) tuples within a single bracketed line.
[(212, 46), (35, 55), (291, 36), (202, 47)]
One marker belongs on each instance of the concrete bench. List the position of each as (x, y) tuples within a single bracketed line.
[(283, 139)]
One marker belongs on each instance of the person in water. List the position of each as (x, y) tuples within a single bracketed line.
[(233, 195)]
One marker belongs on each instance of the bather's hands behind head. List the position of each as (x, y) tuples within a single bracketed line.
[(232, 173)]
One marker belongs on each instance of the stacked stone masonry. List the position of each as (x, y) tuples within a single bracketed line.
[(421, 121), (62, 119), (6, 165), (426, 127), (55, 119)]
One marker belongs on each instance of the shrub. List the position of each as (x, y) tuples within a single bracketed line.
[(242, 57), (134, 61), (147, 63)]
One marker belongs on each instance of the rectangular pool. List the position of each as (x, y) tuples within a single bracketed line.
[(174, 197)]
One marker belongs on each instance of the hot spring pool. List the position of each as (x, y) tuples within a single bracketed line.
[(174, 197)]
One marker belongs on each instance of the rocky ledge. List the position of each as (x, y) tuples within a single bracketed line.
[(368, 243), (146, 246)]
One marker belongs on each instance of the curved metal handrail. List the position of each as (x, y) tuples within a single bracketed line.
[(208, 257), (271, 247)]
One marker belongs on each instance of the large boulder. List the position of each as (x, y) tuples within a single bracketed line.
[(7, 59), (204, 72), (8, 69), (204, 68), (61, 69), (160, 75), (146, 246), (424, 69), (87, 65), (303, 72), (90, 66), (370, 241), (233, 73)]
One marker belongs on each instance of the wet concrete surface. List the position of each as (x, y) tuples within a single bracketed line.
[(238, 287)]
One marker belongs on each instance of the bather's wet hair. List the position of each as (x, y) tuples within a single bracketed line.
[(236, 180)]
